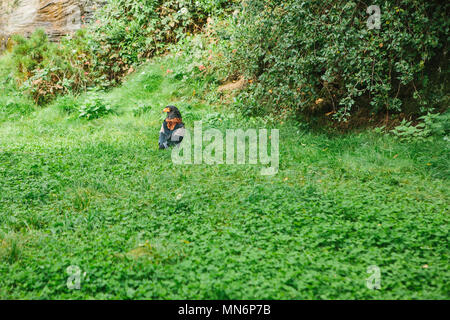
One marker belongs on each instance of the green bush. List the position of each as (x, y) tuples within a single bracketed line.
[(431, 125), (29, 54), (320, 56), (123, 34), (128, 31), (206, 64), (13, 104), (45, 69), (94, 108)]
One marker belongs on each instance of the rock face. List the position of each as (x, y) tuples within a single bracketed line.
[(56, 17)]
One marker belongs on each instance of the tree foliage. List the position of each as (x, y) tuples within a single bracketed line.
[(321, 55)]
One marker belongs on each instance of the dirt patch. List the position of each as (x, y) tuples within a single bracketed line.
[(233, 85), (361, 119)]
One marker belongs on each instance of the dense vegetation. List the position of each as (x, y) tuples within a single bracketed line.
[(310, 57), (82, 182), (125, 33), (320, 56)]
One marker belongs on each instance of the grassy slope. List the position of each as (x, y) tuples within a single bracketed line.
[(101, 196)]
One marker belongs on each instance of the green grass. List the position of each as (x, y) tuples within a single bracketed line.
[(100, 195)]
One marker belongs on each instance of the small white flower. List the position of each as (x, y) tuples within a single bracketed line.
[(184, 11)]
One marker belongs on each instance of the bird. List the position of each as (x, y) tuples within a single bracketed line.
[(172, 129)]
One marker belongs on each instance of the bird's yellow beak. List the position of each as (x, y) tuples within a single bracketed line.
[(166, 110)]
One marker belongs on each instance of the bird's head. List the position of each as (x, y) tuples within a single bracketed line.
[(172, 112)]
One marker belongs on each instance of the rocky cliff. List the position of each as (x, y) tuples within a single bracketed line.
[(56, 17)]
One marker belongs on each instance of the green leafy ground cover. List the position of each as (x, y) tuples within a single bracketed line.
[(98, 194)]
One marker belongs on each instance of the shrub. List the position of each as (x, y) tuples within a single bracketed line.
[(205, 63), (432, 125), (320, 56), (94, 108), (14, 107), (129, 31), (46, 69)]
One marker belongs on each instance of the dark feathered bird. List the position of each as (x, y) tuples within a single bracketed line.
[(172, 129), (172, 112)]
